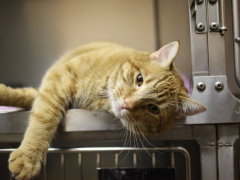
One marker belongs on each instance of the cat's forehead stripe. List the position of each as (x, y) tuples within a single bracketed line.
[(133, 65), (161, 79), (150, 79)]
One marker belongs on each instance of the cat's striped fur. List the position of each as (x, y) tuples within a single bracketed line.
[(100, 75)]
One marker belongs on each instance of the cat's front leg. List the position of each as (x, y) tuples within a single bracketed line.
[(48, 110)]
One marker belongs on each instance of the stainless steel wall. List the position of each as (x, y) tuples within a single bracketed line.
[(33, 34), (174, 25)]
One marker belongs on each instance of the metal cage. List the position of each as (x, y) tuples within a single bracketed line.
[(216, 131)]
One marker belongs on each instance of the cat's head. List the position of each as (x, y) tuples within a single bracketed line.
[(150, 94)]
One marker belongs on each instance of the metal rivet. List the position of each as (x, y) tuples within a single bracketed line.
[(201, 86), (219, 86), (214, 26), (199, 2), (200, 26), (237, 40), (212, 1)]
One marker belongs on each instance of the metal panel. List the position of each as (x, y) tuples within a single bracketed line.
[(217, 64), (228, 134), (215, 42), (201, 17), (75, 120), (226, 163), (205, 135), (227, 137), (213, 16), (222, 106), (176, 133), (15, 122), (208, 163), (199, 49), (78, 120)]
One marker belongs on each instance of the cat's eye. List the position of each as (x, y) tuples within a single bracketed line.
[(139, 80), (153, 109)]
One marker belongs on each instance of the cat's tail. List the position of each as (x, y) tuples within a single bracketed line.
[(19, 97)]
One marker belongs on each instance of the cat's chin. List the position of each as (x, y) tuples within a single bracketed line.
[(117, 110), (120, 113)]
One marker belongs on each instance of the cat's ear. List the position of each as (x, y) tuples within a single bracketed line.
[(188, 107), (166, 54)]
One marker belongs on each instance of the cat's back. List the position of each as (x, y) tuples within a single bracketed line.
[(91, 49), (97, 54)]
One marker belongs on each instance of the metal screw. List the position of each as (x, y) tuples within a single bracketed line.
[(212, 1), (200, 26), (201, 86), (214, 26), (199, 2), (219, 86)]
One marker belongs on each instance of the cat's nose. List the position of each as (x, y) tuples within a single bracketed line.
[(126, 105)]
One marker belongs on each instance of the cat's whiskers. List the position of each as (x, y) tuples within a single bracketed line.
[(124, 145), (146, 138), (147, 150), (121, 133), (130, 138), (124, 130), (127, 139), (135, 140), (131, 127)]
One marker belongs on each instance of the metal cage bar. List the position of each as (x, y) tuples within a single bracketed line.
[(98, 150), (236, 40)]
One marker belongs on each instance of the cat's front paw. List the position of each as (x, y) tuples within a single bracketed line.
[(24, 165)]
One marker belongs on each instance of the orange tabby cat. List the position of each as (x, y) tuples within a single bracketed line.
[(143, 90)]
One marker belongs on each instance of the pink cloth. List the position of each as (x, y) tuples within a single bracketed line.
[(6, 109)]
